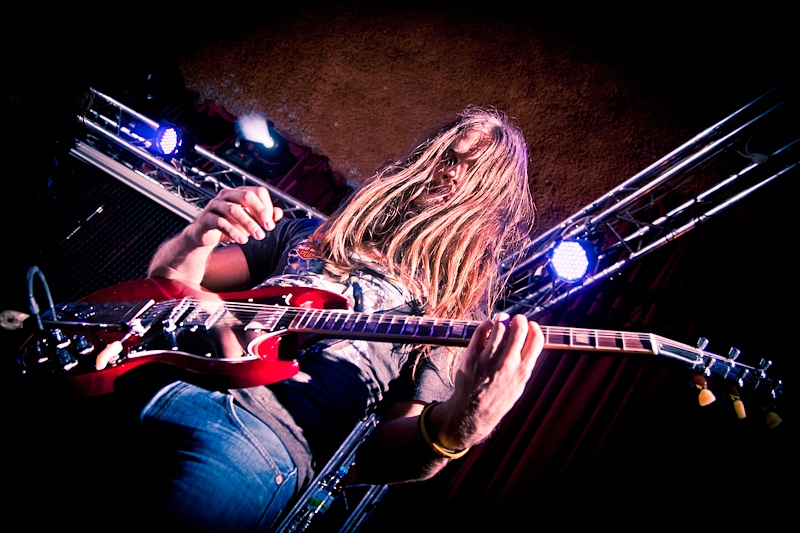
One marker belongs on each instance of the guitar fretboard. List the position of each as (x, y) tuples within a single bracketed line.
[(401, 328), (424, 330)]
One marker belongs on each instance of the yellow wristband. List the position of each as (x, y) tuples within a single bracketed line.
[(435, 446)]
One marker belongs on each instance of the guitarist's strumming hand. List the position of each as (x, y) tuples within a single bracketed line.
[(234, 215)]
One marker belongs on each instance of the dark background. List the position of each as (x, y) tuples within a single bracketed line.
[(600, 95)]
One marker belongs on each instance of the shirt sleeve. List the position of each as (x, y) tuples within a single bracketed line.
[(432, 383), (429, 382), (267, 257)]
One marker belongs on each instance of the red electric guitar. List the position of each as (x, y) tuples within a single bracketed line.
[(89, 344)]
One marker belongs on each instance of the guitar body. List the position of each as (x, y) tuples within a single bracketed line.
[(191, 351)]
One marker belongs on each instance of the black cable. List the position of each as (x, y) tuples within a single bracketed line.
[(34, 270)]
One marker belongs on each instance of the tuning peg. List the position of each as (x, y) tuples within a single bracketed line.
[(738, 406), (733, 353), (702, 342), (705, 397), (772, 420)]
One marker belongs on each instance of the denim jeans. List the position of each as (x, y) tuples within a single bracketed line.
[(211, 465)]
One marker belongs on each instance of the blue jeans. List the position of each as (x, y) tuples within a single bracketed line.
[(210, 465)]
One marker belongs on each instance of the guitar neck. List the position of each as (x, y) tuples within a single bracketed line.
[(437, 331)]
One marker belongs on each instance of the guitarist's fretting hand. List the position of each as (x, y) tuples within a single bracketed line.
[(492, 375), (234, 215)]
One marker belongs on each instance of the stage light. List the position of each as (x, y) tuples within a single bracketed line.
[(168, 140), (571, 260), (260, 149), (253, 127)]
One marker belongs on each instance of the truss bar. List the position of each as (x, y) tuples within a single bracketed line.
[(531, 307), (706, 196), (703, 146), (690, 185), (192, 180), (122, 107), (144, 155), (143, 185), (249, 178), (687, 164)]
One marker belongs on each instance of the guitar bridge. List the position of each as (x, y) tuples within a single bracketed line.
[(104, 316)]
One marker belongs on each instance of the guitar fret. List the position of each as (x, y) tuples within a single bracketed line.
[(308, 319), (382, 326), (312, 319), (411, 326), (351, 322), (604, 341), (610, 342), (637, 342), (583, 339), (396, 326), (338, 320), (460, 330), (557, 337), (371, 323), (440, 329)]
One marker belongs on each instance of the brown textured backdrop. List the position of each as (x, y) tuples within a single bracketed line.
[(599, 98)]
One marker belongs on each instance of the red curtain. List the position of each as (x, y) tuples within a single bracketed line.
[(602, 435)]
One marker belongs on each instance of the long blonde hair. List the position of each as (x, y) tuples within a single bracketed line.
[(451, 245)]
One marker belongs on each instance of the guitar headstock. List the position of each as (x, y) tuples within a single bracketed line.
[(726, 374)]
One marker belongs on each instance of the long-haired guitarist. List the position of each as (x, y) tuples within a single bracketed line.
[(423, 236)]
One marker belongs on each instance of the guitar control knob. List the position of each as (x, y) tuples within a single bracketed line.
[(60, 340), (64, 359), (37, 351), (81, 344)]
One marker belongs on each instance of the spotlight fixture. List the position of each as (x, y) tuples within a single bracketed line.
[(166, 141), (570, 260), (254, 127), (259, 148)]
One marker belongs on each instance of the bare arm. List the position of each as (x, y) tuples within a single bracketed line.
[(194, 255), (492, 376)]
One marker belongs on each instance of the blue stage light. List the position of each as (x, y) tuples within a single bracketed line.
[(168, 140), (571, 260)]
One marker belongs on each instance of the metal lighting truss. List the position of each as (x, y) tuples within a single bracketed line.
[(717, 168), (185, 184)]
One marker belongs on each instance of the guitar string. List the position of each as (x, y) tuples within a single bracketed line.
[(579, 338), (245, 311)]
